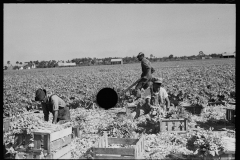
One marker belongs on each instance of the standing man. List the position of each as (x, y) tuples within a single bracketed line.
[(53, 104), (146, 75)]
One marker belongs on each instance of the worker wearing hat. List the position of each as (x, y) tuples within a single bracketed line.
[(159, 96), (158, 100), (53, 104), (146, 75)]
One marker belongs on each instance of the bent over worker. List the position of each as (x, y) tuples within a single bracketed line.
[(53, 104), (146, 75)]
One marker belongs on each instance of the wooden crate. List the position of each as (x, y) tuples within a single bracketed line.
[(230, 115), (102, 151), (174, 125), (54, 144)]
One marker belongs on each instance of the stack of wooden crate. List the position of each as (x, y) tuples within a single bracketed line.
[(101, 150), (47, 145)]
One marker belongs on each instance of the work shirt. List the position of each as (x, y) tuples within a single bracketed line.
[(146, 68), (158, 98), (55, 103)]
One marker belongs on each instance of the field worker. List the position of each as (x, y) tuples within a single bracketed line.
[(157, 100), (53, 104), (159, 96), (146, 75)]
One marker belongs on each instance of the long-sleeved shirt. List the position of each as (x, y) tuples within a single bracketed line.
[(146, 69)]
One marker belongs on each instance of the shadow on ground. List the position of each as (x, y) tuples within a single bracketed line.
[(217, 126), (149, 127)]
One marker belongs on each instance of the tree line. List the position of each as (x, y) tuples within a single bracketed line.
[(87, 61)]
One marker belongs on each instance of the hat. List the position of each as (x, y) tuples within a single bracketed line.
[(158, 80), (139, 54), (40, 94)]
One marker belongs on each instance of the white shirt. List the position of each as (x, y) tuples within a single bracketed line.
[(163, 94)]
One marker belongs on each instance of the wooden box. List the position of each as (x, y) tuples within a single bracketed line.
[(230, 115), (55, 145), (101, 149), (173, 125)]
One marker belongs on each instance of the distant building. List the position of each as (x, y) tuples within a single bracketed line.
[(60, 64), (228, 55), (116, 61), (99, 61)]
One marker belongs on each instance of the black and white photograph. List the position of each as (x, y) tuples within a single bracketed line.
[(119, 81)]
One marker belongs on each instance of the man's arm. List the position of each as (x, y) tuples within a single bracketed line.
[(148, 100), (54, 101), (55, 116), (167, 102)]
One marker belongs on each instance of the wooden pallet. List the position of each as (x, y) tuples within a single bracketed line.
[(102, 151), (230, 115), (174, 125), (54, 144)]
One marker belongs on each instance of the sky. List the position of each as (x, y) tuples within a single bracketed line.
[(66, 31)]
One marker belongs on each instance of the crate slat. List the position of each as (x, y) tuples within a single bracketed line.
[(170, 126), (46, 143), (177, 123), (127, 141), (230, 115), (113, 157), (76, 131), (60, 142), (105, 139), (60, 134), (61, 152), (120, 151), (37, 141), (66, 156)]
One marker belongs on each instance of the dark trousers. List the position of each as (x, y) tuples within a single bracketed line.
[(143, 83), (63, 114)]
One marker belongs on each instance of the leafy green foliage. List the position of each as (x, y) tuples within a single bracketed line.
[(205, 142)]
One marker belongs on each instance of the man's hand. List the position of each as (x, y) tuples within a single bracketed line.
[(55, 116)]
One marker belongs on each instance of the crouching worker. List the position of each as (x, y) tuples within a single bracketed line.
[(53, 104), (157, 102)]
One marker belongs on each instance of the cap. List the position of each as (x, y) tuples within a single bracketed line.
[(139, 54), (158, 80)]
